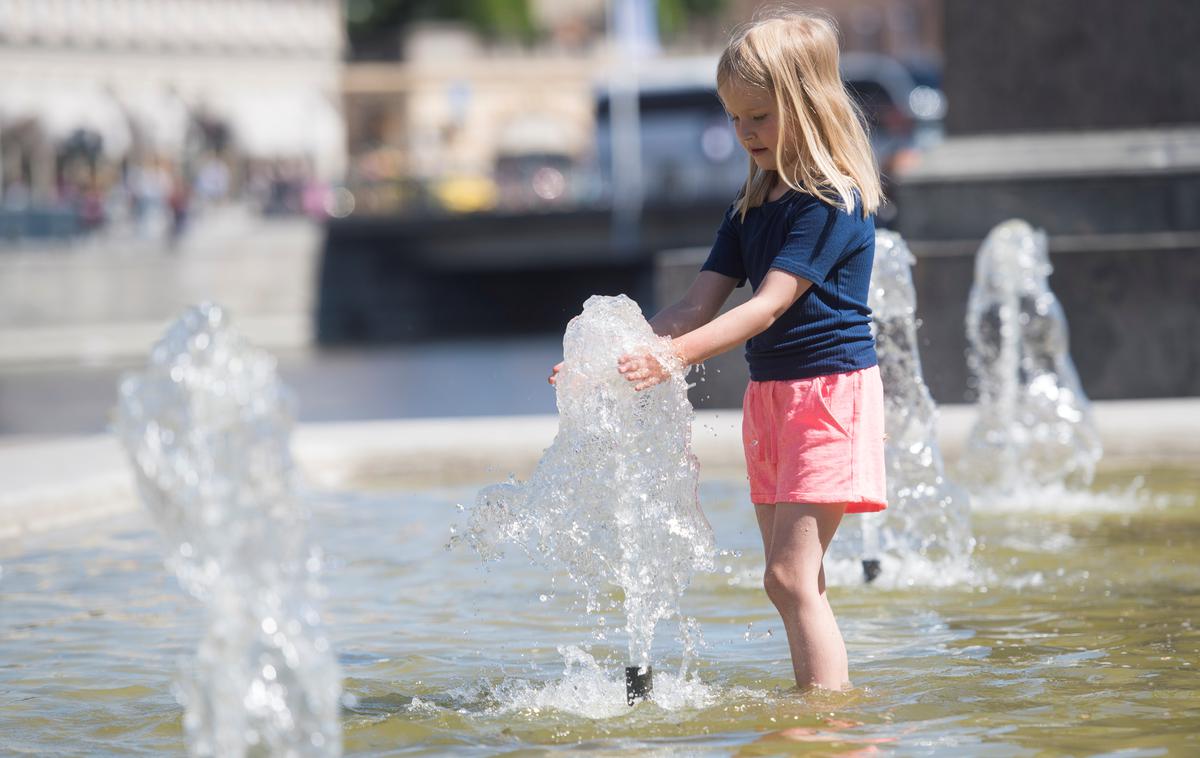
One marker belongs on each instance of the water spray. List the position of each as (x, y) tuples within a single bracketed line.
[(206, 427), (615, 499), (927, 519), (1034, 426)]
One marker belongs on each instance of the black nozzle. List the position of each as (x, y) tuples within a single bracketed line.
[(871, 569), (639, 682)]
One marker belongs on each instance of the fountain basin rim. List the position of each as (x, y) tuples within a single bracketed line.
[(50, 484)]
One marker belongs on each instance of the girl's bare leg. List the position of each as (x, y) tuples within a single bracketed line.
[(795, 538), (766, 526)]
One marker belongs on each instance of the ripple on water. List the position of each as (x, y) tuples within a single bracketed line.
[(445, 657)]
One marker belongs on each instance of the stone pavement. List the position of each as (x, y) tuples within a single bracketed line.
[(56, 483)]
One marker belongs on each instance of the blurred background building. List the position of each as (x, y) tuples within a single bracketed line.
[(509, 157), (466, 106), (348, 176), (365, 183), (139, 111)]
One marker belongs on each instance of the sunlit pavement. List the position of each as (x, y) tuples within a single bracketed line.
[(49, 483)]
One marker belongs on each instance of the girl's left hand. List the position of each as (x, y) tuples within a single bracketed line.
[(643, 369)]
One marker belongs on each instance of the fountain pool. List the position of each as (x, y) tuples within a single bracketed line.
[(1077, 630)]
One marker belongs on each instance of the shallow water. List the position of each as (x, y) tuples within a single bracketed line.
[(1075, 633)]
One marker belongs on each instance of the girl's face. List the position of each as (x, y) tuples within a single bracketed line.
[(756, 121)]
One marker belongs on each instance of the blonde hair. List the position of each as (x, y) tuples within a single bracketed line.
[(823, 148)]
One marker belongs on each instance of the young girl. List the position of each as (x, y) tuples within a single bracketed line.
[(802, 232)]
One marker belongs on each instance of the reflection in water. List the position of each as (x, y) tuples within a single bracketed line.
[(206, 427), (831, 739)]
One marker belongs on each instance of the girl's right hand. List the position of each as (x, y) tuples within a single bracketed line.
[(554, 373)]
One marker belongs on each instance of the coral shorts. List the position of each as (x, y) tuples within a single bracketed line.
[(817, 440)]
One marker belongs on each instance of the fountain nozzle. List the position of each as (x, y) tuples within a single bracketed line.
[(871, 569), (639, 682)]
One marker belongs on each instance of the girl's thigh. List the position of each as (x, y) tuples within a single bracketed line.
[(800, 534), (766, 523)]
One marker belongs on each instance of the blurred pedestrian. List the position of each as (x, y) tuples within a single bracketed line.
[(178, 201)]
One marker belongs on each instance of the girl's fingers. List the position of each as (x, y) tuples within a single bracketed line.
[(642, 369), (649, 381)]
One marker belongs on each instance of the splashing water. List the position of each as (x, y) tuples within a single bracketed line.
[(1034, 428), (924, 536), (586, 689), (614, 499), (206, 428)]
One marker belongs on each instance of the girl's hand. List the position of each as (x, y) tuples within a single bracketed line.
[(643, 369), (554, 373)]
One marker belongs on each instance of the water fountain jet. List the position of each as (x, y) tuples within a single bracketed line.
[(1034, 427), (206, 428), (927, 518), (614, 500)]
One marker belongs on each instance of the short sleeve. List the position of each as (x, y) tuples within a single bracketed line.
[(726, 255), (814, 244)]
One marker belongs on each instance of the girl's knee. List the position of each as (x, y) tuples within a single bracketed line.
[(788, 587), (777, 584)]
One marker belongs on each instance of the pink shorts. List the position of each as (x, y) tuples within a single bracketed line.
[(817, 440)]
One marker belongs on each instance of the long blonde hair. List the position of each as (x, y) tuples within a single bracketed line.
[(823, 148)]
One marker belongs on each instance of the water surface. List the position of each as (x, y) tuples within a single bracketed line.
[(1074, 633)]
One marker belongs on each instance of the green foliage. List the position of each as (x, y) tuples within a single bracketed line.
[(673, 15), (508, 19)]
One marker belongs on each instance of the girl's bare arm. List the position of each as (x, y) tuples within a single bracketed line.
[(778, 292), (699, 305)]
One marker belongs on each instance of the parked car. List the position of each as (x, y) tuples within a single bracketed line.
[(689, 150)]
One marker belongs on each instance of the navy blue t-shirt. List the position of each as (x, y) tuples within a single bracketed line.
[(828, 330)]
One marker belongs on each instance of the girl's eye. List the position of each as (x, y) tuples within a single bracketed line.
[(760, 118)]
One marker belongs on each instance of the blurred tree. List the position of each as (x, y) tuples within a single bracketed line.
[(374, 26), (675, 16)]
